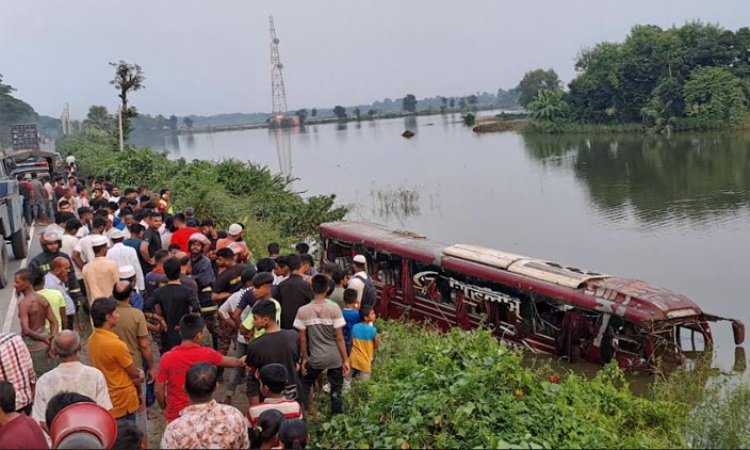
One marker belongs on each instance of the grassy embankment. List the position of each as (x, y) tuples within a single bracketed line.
[(226, 191), (467, 390)]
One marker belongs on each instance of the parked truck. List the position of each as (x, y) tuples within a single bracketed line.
[(12, 225)]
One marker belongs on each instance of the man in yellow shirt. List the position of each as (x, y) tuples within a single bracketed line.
[(56, 302), (111, 356)]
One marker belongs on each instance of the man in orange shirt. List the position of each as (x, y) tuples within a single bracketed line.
[(111, 356)]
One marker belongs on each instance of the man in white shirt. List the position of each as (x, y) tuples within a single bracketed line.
[(70, 240), (84, 251), (356, 282), (125, 256), (86, 215), (69, 376)]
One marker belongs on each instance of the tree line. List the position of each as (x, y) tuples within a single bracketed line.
[(696, 76)]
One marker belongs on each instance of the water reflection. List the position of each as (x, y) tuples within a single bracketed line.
[(190, 140), (696, 178), (174, 142), (410, 123), (283, 150)]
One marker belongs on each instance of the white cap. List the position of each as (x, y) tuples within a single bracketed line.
[(234, 229), (126, 272), (360, 259), (98, 239), (116, 233), (199, 237)]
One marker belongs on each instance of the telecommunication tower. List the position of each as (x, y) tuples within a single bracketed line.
[(278, 93)]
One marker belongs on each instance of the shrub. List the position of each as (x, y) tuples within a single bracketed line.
[(467, 390)]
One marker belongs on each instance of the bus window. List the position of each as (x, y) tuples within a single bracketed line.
[(429, 282), (387, 269), (689, 339), (339, 253)]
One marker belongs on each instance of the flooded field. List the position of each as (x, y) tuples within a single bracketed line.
[(674, 212)]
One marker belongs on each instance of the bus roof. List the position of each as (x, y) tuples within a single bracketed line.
[(631, 299)]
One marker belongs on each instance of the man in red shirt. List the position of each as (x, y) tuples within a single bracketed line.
[(174, 364), (183, 233), (17, 430)]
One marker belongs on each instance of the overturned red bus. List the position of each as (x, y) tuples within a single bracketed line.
[(539, 305)]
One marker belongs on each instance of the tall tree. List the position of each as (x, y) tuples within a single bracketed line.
[(356, 113), (314, 112), (452, 103), (715, 94), (409, 103), (443, 105), (172, 122), (99, 118), (537, 81), (188, 122), (128, 78), (340, 112)]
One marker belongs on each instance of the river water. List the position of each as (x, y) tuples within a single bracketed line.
[(674, 212)]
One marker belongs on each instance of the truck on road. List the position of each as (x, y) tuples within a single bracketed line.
[(12, 225)]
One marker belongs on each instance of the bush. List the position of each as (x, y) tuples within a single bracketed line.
[(226, 191), (467, 390)]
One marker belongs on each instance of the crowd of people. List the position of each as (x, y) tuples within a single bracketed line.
[(132, 304)]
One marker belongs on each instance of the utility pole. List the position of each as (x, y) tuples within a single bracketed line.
[(119, 115), (65, 120)]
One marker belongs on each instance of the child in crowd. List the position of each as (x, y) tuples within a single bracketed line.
[(364, 344), (273, 381), (351, 316), (293, 433), (265, 434)]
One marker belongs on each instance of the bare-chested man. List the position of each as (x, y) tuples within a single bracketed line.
[(33, 312)]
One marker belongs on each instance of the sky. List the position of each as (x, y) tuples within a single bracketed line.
[(210, 57)]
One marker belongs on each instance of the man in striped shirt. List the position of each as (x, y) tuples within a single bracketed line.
[(322, 344), (17, 369), (273, 381)]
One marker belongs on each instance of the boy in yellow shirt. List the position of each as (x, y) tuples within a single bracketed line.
[(364, 344)]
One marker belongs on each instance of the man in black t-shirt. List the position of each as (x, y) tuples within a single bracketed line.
[(227, 283), (152, 235), (294, 292), (169, 303), (274, 346)]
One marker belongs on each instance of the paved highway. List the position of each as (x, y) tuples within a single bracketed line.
[(8, 298)]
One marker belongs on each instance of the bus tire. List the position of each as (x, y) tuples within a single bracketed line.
[(18, 243)]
